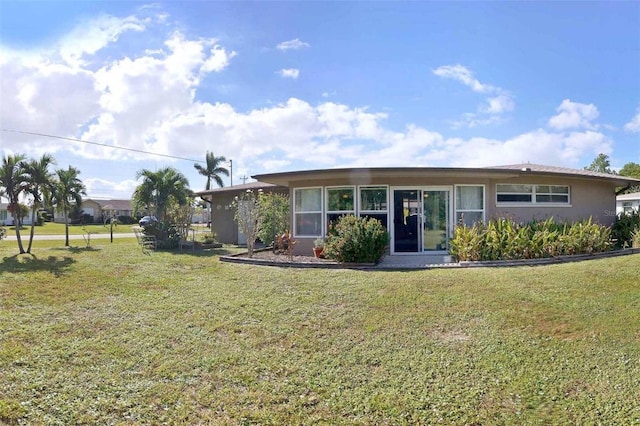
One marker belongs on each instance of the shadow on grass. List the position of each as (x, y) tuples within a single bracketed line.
[(76, 250), (203, 253), (30, 263)]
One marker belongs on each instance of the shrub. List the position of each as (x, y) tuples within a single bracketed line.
[(356, 239), (504, 239), (126, 220), (167, 236), (624, 227)]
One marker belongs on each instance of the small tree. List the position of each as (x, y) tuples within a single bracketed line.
[(273, 217), (181, 217), (247, 213)]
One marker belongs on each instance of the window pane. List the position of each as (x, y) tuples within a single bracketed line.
[(560, 189), (519, 189), (469, 197), (340, 199), (468, 218), (309, 224), (373, 198), (547, 198), (543, 189), (309, 199), (514, 198)]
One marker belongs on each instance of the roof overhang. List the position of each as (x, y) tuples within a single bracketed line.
[(356, 175)]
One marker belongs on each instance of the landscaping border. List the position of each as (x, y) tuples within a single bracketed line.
[(327, 264)]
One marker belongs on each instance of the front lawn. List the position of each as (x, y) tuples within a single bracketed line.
[(111, 334)]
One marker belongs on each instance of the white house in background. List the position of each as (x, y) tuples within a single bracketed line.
[(627, 203), (6, 218)]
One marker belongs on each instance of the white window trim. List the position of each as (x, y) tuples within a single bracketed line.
[(359, 200), (322, 215), (326, 200), (484, 202), (533, 202)]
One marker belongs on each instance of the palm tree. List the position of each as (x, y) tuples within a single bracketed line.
[(13, 182), (39, 180), (213, 169), (68, 190), (159, 189)]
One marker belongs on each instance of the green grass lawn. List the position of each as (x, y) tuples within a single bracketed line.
[(112, 335)]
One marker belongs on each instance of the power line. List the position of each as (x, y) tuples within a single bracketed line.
[(100, 144)]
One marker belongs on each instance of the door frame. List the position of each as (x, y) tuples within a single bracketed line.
[(392, 213)]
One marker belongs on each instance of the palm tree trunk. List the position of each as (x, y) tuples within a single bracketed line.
[(66, 229), (33, 225), (18, 225)]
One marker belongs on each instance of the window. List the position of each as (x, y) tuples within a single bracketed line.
[(308, 212), (469, 204), (552, 194), (373, 203), (514, 193), (340, 202), (3, 215), (627, 208), (532, 194)]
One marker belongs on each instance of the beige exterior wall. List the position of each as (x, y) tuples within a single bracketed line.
[(222, 222), (222, 212), (591, 198), (588, 197)]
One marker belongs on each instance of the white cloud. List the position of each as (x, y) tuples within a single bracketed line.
[(294, 44), (574, 115), (634, 124), (463, 75), (94, 35), (289, 73), (501, 102)]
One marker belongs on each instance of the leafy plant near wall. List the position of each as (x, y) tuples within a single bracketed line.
[(356, 239), (504, 239), (624, 227), (273, 217)]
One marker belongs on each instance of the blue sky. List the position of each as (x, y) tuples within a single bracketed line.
[(279, 86)]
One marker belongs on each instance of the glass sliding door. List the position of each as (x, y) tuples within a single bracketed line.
[(436, 218), (421, 219), (406, 211)]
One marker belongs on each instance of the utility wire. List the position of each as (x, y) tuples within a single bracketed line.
[(100, 144)]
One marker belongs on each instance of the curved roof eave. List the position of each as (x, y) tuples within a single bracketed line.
[(286, 178)]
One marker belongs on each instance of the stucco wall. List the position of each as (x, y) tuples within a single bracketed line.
[(222, 222), (588, 199), (222, 213)]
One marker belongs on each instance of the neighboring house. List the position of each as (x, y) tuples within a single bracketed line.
[(222, 211), (6, 218), (420, 207), (628, 203), (98, 209)]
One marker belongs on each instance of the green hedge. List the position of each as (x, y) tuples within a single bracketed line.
[(624, 228), (356, 240), (504, 239)]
